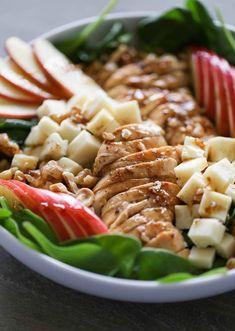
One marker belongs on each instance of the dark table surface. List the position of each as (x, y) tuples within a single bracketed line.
[(29, 302)]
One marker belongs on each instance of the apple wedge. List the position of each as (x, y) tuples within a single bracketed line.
[(22, 55), (209, 93), (10, 74), (198, 77), (14, 110), (61, 71), (222, 119), (229, 86), (10, 93), (67, 216)]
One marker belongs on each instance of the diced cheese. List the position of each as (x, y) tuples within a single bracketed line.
[(128, 112), (69, 165), (226, 248), (214, 204), (183, 217), (54, 147), (36, 137), (188, 191), (202, 257), (231, 191), (192, 148), (219, 175), (187, 168), (77, 100), (47, 126), (34, 151), (24, 162), (94, 105), (221, 147), (206, 232), (84, 148), (100, 122), (195, 211), (69, 130), (52, 107)]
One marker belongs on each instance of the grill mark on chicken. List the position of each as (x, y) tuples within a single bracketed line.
[(161, 169), (145, 156)]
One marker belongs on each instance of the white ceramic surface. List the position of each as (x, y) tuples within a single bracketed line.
[(103, 286)]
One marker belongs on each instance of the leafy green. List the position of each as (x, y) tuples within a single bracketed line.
[(115, 36), (76, 48), (17, 130), (182, 276), (157, 263), (231, 216), (183, 27), (87, 256)]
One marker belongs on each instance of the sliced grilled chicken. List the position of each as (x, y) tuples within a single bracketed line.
[(136, 131), (103, 195), (162, 194), (161, 169), (145, 156)]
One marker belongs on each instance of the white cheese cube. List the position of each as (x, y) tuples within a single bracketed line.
[(128, 112), (69, 165), (183, 217), (100, 122), (187, 168), (94, 105), (36, 137), (84, 148), (202, 257), (54, 147), (34, 151), (231, 191), (77, 101), (192, 148), (195, 211), (206, 232), (215, 205), (69, 130), (221, 147), (47, 126), (24, 162), (112, 126), (219, 175), (52, 107), (226, 248), (190, 188)]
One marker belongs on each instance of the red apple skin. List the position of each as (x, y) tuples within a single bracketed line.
[(21, 83), (230, 97), (198, 74), (66, 215), (62, 91), (209, 93), (222, 121)]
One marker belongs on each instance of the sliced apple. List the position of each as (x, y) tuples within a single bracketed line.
[(61, 71), (14, 110), (197, 68), (222, 121), (229, 86), (68, 217), (22, 55), (10, 73), (209, 93), (10, 93)]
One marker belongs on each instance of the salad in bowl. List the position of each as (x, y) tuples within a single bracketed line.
[(118, 155)]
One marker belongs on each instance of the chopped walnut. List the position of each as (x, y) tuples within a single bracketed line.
[(7, 146), (86, 196), (52, 171), (231, 263), (85, 178), (70, 182), (8, 174), (59, 187)]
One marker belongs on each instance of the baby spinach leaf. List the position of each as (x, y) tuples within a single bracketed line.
[(215, 271), (70, 47), (87, 256), (171, 31), (124, 248), (157, 263), (5, 213), (176, 277)]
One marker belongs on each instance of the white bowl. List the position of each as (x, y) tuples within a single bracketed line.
[(103, 286)]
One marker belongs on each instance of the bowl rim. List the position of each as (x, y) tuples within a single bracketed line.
[(47, 260)]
